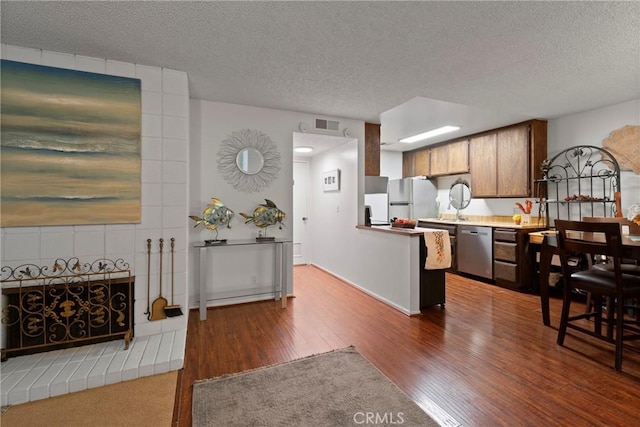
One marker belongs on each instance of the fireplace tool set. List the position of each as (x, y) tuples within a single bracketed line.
[(172, 310), (160, 309)]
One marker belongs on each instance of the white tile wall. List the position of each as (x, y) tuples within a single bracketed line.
[(119, 241), (152, 125), (151, 171), (61, 60), (152, 148), (152, 195), (123, 69), (88, 244), (20, 246), (150, 216), (151, 102), (174, 172), (174, 149), (174, 195), (56, 245), (164, 160), (151, 78), (91, 65), (116, 227), (89, 228), (173, 216), (21, 54), (175, 105), (148, 328), (175, 82), (175, 127)]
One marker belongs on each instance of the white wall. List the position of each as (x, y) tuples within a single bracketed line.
[(165, 148), (391, 164), (363, 258), (591, 128), (334, 214), (211, 123), (477, 206)]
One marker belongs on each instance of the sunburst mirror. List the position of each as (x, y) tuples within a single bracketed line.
[(249, 160)]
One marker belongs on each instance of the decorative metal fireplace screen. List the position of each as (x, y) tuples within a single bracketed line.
[(67, 305)]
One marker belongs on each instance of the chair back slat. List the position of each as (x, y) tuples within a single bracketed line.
[(594, 238), (626, 226)]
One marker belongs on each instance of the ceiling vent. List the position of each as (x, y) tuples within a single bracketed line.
[(328, 125)]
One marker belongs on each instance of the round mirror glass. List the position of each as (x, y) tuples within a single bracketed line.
[(460, 194), (250, 160)]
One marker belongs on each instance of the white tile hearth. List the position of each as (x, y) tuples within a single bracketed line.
[(42, 375)]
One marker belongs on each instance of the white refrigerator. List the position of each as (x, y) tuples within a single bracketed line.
[(412, 198)]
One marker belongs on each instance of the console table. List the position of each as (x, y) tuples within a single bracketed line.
[(279, 265)]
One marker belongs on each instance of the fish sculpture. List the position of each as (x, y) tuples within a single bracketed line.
[(265, 215), (214, 215)]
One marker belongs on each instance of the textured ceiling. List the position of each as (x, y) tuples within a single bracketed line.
[(360, 59)]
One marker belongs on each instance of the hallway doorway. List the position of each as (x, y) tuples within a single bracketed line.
[(300, 212)]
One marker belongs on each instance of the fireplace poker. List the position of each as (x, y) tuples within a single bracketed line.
[(172, 310), (158, 305), (148, 312)]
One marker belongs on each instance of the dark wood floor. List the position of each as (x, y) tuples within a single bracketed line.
[(486, 359)]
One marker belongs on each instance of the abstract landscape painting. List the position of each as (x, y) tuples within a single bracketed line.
[(70, 147)]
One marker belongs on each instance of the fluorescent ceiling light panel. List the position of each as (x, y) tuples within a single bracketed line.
[(303, 149), (430, 134)]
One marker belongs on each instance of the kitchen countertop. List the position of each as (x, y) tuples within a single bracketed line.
[(537, 237), (533, 225), (397, 230)]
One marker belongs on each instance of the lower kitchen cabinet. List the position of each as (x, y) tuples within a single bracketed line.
[(513, 265), (432, 282), (452, 238)]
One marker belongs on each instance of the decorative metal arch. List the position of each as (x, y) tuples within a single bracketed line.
[(580, 181)]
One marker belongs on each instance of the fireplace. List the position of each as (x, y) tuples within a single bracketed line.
[(66, 305)]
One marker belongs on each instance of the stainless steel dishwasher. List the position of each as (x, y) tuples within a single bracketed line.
[(475, 250)]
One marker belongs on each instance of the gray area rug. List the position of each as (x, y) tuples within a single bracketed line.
[(339, 388)]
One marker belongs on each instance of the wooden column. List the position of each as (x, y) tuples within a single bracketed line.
[(371, 149)]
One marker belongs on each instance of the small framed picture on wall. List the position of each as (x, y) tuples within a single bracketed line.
[(331, 180)]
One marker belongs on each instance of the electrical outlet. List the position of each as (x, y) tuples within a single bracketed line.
[(337, 208), (254, 279)]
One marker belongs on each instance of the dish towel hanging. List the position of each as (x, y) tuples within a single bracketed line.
[(438, 249)]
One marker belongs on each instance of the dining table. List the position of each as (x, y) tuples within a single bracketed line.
[(547, 243)]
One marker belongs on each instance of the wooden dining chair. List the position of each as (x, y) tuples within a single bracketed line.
[(596, 238), (628, 266)]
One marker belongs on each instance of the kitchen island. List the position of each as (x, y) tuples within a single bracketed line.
[(396, 273)]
